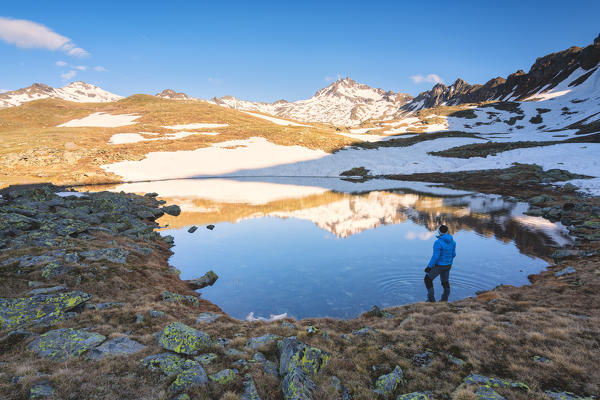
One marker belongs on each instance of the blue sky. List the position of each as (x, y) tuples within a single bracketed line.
[(259, 50)]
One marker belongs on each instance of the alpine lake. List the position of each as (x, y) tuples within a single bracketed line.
[(327, 247)]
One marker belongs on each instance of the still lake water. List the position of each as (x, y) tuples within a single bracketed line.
[(303, 249)]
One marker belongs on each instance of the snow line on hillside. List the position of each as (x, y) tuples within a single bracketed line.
[(274, 120), (125, 138), (196, 125), (102, 120)]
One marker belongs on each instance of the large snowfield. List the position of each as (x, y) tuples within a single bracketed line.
[(256, 157)]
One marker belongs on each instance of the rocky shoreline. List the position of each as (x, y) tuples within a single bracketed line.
[(91, 309)]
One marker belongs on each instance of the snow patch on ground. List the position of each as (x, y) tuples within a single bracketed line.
[(102, 120), (123, 138), (274, 120)]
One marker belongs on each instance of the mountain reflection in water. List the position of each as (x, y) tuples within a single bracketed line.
[(309, 251)]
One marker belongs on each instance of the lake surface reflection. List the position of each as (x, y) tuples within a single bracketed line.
[(304, 249)]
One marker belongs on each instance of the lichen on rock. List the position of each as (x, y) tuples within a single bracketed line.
[(387, 384), (183, 339), (62, 344)]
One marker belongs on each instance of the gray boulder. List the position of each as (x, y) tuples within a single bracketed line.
[(207, 317), (62, 344), (116, 347), (183, 339), (387, 384), (266, 340), (41, 390), (192, 377), (207, 279)]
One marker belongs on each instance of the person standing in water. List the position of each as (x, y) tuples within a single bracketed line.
[(444, 251)]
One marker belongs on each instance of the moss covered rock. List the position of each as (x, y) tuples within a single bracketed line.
[(295, 354), (112, 254), (41, 390), (191, 377), (183, 339), (487, 393), (62, 344), (168, 363), (116, 347), (387, 384), (262, 341), (224, 377), (414, 396), (176, 297), (40, 309), (565, 396), (476, 379), (250, 392)]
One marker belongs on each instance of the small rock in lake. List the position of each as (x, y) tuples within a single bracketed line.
[(193, 229), (210, 227), (173, 210)]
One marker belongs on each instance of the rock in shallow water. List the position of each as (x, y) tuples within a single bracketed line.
[(62, 344)]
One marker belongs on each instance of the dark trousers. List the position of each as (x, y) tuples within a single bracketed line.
[(444, 272)]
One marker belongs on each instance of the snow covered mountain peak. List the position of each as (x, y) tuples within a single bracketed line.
[(173, 95), (344, 102), (78, 91)]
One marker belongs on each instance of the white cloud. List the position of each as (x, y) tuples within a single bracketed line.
[(61, 63), (81, 67), (100, 68), (431, 78), (332, 78), (68, 75), (28, 34)]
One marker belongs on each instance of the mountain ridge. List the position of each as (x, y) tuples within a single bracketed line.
[(75, 91)]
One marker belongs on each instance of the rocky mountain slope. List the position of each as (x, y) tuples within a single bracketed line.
[(173, 95), (544, 75), (80, 92), (344, 102)]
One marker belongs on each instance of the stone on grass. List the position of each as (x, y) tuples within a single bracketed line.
[(287, 325), (224, 377), (208, 279), (262, 341), (207, 317), (156, 314), (271, 368), (364, 331), (182, 396), (565, 396), (41, 309), (455, 360), (234, 352), (424, 359), (191, 377), (250, 392), (116, 347), (375, 311), (104, 306), (258, 357), (48, 290), (565, 271), (170, 364), (298, 364), (176, 297), (487, 393), (475, 379), (415, 396), (540, 359), (206, 359), (183, 339), (62, 344), (41, 390), (386, 384)]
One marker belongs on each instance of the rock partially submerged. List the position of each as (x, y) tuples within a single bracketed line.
[(183, 339), (62, 344), (40, 309), (207, 279)]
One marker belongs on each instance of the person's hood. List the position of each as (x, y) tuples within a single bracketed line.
[(445, 237)]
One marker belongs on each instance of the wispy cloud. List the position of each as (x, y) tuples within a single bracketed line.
[(68, 75), (81, 67), (61, 63), (332, 78), (100, 68), (28, 34), (431, 78), (215, 81), (3, 90)]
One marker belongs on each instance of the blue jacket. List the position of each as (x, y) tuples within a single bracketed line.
[(444, 251)]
